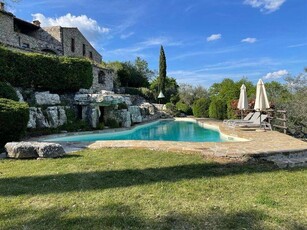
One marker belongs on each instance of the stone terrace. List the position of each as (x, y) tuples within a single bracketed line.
[(282, 149)]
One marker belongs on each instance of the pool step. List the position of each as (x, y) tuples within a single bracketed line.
[(288, 160)]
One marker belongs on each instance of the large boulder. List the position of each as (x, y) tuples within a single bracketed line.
[(47, 98), (23, 150), (49, 150)]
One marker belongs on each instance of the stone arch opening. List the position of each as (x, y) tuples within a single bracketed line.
[(101, 77)]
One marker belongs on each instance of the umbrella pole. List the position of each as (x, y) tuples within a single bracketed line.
[(242, 114)]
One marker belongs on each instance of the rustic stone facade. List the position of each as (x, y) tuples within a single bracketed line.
[(58, 40), (102, 79), (20, 34)]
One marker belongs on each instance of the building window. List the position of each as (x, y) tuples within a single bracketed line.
[(101, 77), (84, 50), (91, 55), (72, 45), (25, 45)]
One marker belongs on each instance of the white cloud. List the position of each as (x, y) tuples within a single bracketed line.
[(297, 45), (268, 6), (88, 26), (249, 40), (214, 37), (276, 75), (125, 36), (140, 48)]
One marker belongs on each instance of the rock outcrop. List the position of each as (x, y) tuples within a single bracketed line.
[(46, 98), (52, 117), (104, 98), (135, 112), (24, 150)]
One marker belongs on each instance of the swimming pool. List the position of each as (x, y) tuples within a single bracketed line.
[(163, 130)]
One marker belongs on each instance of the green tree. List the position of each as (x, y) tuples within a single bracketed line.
[(142, 67), (226, 92), (218, 108), (277, 93), (188, 94), (162, 70), (171, 89)]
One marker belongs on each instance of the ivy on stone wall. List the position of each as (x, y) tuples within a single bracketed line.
[(44, 72)]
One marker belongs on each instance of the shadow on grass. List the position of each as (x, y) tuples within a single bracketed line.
[(59, 183), (120, 216)]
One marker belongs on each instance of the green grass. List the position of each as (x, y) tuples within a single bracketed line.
[(142, 189)]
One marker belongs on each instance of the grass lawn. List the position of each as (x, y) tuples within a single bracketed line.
[(142, 189)]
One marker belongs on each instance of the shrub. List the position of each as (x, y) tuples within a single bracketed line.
[(171, 109), (39, 71), (201, 107), (184, 108), (218, 109), (112, 123), (100, 126), (7, 91), (14, 117)]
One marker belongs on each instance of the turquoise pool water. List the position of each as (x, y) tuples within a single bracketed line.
[(166, 130)]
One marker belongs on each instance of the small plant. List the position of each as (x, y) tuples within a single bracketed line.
[(100, 126), (112, 123)]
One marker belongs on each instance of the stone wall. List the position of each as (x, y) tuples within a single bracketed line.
[(38, 40), (102, 79), (68, 34), (7, 34)]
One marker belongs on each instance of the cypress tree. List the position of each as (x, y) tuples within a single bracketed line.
[(162, 70)]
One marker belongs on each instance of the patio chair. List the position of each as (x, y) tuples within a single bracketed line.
[(252, 119), (246, 118)]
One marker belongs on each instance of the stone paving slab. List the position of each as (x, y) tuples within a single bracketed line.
[(255, 145)]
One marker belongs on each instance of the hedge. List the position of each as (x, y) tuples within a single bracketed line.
[(46, 72), (7, 91), (14, 117)]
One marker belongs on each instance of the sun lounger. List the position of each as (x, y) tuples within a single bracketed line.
[(253, 118), (265, 125), (251, 122), (246, 118)]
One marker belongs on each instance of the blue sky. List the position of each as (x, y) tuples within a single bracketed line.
[(204, 40)]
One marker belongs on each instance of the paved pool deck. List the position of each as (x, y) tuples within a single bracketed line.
[(253, 143)]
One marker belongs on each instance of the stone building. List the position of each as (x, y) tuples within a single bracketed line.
[(62, 41), (57, 40)]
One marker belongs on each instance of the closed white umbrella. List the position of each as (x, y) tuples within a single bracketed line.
[(242, 103), (261, 102)]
